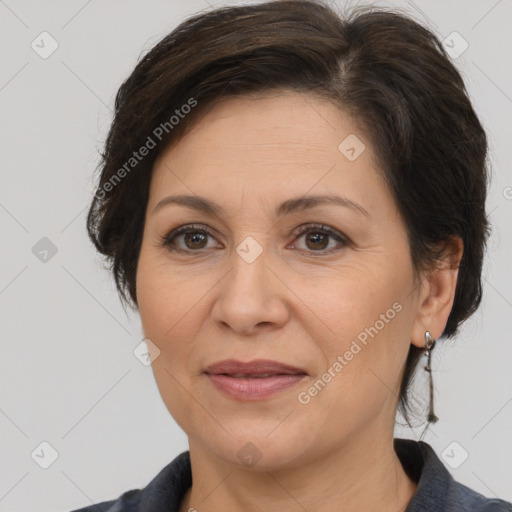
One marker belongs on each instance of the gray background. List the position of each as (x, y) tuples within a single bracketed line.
[(68, 373)]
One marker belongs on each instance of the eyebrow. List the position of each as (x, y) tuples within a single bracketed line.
[(292, 205)]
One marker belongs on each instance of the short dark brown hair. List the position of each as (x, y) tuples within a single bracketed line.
[(388, 71)]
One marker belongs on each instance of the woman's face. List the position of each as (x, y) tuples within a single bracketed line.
[(339, 302)]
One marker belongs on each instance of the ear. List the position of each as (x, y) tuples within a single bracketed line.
[(437, 292)]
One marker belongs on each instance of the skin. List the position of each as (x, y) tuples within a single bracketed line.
[(291, 304)]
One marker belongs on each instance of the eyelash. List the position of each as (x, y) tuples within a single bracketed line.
[(167, 240)]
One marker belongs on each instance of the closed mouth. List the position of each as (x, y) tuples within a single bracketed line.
[(258, 368), (256, 375)]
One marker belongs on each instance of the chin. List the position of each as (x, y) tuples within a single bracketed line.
[(258, 451)]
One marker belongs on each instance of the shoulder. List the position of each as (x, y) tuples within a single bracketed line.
[(469, 500), (437, 490), (163, 494), (127, 502)]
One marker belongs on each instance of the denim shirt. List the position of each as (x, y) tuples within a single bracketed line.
[(437, 491)]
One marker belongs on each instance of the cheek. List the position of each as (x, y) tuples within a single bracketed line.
[(164, 297), (362, 297), (366, 321), (166, 308)]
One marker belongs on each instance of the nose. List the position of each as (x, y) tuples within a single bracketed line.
[(251, 297)]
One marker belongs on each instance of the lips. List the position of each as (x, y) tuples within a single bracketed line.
[(258, 368), (255, 380)]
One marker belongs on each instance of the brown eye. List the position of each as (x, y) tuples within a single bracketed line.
[(317, 240), (318, 237), (187, 238), (195, 240)]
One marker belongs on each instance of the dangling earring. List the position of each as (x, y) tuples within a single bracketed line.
[(429, 346)]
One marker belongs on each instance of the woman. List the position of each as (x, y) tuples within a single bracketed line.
[(295, 205)]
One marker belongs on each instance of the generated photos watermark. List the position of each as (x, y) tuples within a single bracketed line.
[(335, 368), (151, 142)]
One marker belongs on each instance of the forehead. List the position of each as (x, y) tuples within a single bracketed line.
[(286, 123), (283, 143)]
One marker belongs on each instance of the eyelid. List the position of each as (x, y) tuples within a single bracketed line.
[(184, 229), (310, 226), (296, 233), (341, 238)]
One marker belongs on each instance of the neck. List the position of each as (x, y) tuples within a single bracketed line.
[(361, 475)]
